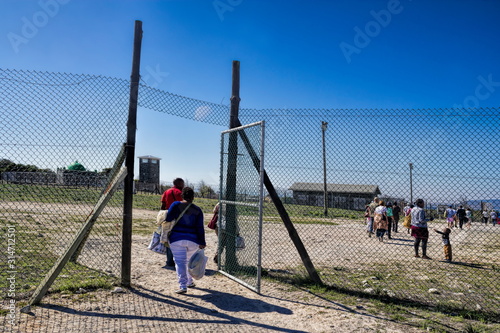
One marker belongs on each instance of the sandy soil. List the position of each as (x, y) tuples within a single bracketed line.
[(216, 304)]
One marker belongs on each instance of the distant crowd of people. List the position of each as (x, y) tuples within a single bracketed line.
[(457, 218), (495, 218), (383, 219)]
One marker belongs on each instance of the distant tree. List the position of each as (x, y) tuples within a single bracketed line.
[(188, 184), (7, 165), (205, 190)]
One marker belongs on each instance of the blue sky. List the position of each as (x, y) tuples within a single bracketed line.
[(294, 54)]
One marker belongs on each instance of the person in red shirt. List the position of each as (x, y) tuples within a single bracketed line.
[(167, 199), (172, 194)]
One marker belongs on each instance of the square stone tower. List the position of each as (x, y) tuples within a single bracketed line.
[(149, 171)]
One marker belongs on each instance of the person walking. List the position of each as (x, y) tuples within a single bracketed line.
[(372, 207), (407, 212), (389, 219), (367, 217), (468, 216), (380, 220), (493, 217), (219, 227), (396, 212), (461, 216), (419, 229), (167, 199), (220, 231), (450, 214), (187, 236), (486, 216)]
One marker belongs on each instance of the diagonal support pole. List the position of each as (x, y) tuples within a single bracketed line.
[(114, 171), (44, 286), (292, 232)]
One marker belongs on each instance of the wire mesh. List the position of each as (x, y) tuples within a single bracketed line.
[(52, 120), (60, 135), (444, 156), (189, 108), (239, 229)]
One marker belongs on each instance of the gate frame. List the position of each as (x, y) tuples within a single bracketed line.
[(260, 205)]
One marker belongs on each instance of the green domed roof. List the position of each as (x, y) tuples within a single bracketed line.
[(76, 167)]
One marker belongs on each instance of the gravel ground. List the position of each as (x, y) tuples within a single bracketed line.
[(216, 304)]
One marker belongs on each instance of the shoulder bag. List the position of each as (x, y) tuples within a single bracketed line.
[(213, 222), (166, 227)]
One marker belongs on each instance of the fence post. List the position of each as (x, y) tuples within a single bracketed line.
[(130, 156), (231, 259)]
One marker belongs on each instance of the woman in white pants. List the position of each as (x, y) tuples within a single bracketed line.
[(188, 235)]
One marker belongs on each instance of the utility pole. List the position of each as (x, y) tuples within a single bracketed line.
[(324, 126)]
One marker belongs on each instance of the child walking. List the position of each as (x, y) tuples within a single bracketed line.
[(445, 235)]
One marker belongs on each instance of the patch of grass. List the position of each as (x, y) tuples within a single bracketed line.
[(75, 283), (299, 214), (398, 317), (426, 325), (31, 272), (442, 317), (476, 328), (48, 193), (143, 227), (391, 281)]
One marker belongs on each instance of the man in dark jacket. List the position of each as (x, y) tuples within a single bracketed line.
[(396, 211), (461, 216)]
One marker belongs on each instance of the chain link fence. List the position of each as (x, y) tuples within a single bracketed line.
[(61, 133), (239, 225), (447, 157)]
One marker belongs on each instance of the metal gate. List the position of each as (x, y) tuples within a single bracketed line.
[(240, 204)]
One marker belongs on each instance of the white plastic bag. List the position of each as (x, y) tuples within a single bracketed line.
[(197, 264)]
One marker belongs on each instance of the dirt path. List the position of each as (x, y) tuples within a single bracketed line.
[(217, 304)]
